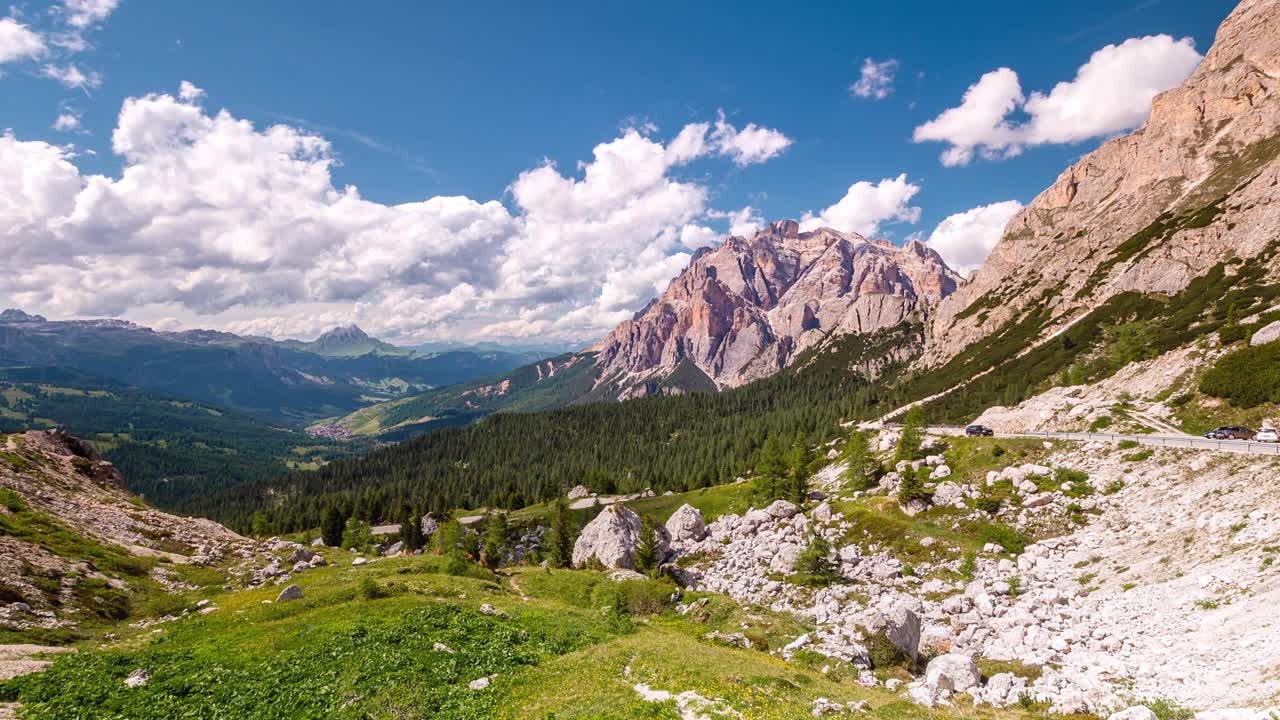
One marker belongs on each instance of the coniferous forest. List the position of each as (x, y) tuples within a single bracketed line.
[(511, 460)]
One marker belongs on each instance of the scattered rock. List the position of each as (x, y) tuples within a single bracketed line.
[(1267, 334), (686, 524), (479, 683), (487, 609), (292, 592), (952, 672), (137, 679)]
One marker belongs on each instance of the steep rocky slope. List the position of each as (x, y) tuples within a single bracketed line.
[(76, 547), (1150, 211), (1150, 580), (745, 309)]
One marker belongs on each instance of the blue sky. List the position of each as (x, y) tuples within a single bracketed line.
[(421, 100)]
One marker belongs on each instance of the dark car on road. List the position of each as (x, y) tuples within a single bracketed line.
[(1230, 432), (979, 431)]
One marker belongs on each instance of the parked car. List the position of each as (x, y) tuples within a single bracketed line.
[(979, 431), (1267, 434), (1230, 432)]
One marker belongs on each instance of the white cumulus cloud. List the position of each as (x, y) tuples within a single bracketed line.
[(875, 81), (216, 222), (965, 239), (188, 92), (750, 145), (866, 206), (19, 42), (1110, 93)]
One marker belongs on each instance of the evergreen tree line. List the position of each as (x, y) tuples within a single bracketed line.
[(511, 460)]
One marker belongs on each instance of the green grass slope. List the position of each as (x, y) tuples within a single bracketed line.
[(399, 639)]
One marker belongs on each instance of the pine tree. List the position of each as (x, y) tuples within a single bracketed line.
[(411, 530), (861, 463), (770, 471), (647, 546), (912, 487), (331, 526), (912, 435), (796, 487), (261, 526), (558, 546), (495, 540), (814, 564)]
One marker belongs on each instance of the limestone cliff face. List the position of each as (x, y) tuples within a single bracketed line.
[(1150, 211), (745, 309)]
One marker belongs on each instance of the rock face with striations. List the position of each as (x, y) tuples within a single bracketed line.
[(745, 309), (1150, 211)]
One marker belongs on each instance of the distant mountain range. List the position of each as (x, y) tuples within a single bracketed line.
[(290, 381), (741, 311)]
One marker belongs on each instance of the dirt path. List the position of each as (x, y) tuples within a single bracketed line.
[(515, 585)]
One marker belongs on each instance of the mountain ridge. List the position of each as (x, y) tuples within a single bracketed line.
[(1149, 211), (744, 309)]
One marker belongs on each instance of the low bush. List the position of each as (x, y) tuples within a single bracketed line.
[(1247, 377), (1010, 539)]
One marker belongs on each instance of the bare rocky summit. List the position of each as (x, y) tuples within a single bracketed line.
[(1150, 211), (747, 308)]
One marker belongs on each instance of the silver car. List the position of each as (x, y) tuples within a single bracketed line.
[(1267, 434)]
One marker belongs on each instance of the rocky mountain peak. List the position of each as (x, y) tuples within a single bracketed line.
[(746, 308), (343, 334), (14, 315)]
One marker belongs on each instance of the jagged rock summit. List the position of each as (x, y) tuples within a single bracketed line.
[(747, 308), (1149, 211)]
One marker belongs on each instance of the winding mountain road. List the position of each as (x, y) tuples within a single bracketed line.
[(1247, 447)]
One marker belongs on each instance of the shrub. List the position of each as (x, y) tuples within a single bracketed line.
[(988, 504), (1128, 444), (1138, 456), (1074, 483), (646, 597), (1113, 487), (12, 501), (1008, 538), (370, 590), (814, 566), (1100, 423), (1247, 377), (885, 654)]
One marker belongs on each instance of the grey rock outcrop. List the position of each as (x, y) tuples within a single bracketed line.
[(686, 524), (1267, 334), (291, 592), (611, 539)]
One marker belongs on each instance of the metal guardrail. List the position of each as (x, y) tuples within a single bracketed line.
[(1241, 446), (1249, 447)]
